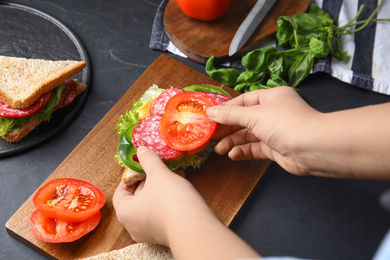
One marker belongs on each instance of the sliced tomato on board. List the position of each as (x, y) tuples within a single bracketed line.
[(68, 94), (10, 112), (69, 199), (185, 125), (58, 231)]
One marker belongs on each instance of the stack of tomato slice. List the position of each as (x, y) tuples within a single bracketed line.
[(66, 210)]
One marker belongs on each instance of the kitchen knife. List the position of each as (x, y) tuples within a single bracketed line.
[(249, 25)]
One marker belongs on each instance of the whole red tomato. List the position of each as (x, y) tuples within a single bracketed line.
[(205, 10)]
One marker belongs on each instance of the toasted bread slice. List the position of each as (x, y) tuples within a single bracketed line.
[(136, 251), (130, 177), (17, 135), (23, 81)]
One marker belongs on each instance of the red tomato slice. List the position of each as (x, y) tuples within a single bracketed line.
[(68, 94), (58, 231), (185, 125), (69, 199), (6, 111)]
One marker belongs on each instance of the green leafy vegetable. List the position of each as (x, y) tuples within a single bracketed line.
[(207, 88), (309, 35), (227, 77), (9, 124)]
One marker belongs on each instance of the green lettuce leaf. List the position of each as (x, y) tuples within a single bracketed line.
[(131, 117), (8, 124), (193, 161)]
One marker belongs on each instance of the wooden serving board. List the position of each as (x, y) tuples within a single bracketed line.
[(224, 184), (200, 40)]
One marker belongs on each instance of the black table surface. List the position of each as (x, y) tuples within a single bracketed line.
[(286, 215)]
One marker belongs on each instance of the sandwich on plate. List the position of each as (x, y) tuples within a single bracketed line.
[(31, 90), (173, 123)]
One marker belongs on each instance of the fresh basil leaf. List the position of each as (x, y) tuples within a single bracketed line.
[(335, 50), (289, 57), (275, 62), (257, 60), (306, 22), (256, 87), (275, 77), (323, 16), (319, 48), (227, 76), (249, 76), (272, 84), (300, 69), (240, 87), (286, 28)]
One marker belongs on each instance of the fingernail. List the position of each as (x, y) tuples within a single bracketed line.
[(211, 112), (142, 149)]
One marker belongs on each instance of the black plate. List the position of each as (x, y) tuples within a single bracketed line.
[(30, 33)]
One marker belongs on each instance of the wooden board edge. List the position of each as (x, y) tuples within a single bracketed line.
[(28, 243), (231, 219), (202, 59)]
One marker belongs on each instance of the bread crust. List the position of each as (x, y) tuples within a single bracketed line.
[(136, 251), (130, 177), (23, 81), (17, 135)]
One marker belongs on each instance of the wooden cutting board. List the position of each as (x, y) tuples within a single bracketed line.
[(224, 184), (200, 40)]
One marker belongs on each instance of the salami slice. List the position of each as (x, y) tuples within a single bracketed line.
[(10, 112), (147, 133), (219, 98), (158, 105), (68, 94)]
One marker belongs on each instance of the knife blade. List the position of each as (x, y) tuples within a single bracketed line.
[(250, 23)]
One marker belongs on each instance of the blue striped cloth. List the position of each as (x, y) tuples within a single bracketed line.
[(368, 62)]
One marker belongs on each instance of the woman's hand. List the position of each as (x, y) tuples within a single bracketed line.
[(265, 124), (166, 209), (147, 210), (277, 124)]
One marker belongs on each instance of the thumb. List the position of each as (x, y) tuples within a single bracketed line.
[(149, 160), (229, 115)]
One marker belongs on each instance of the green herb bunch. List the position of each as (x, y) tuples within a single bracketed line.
[(309, 35)]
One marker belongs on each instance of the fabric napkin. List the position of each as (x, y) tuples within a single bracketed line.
[(368, 62)]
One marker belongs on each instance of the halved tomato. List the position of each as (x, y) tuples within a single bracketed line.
[(58, 231), (10, 112), (69, 199), (184, 125)]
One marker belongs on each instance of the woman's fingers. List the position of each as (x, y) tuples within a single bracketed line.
[(150, 161), (240, 137)]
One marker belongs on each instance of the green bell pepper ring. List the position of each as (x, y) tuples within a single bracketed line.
[(207, 88), (126, 150)]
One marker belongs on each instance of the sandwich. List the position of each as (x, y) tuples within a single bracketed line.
[(173, 123), (31, 90)]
